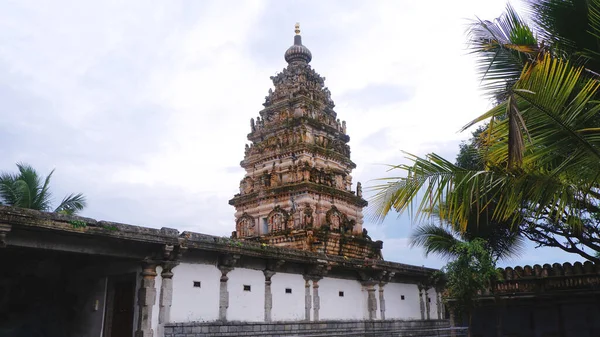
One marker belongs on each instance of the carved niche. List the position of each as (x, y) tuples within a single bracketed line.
[(307, 217), (277, 220), (335, 219), (246, 226)]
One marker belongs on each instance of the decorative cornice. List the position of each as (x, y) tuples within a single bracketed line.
[(305, 186)]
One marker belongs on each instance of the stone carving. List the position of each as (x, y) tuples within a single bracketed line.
[(298, 138), (247, 185), (335, 219), (277, 220), (307, 221), (246, 226), (359, 189)]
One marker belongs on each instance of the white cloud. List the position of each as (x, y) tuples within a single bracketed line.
[(145, 106)]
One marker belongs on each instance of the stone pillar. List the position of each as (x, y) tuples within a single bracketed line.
[(166, 295), (421, 303), (146, 300), (381, 300), (439, 304), (371, 300), (427, 304), (307, 299), (316, 299), (452, 322), (223, 293), (268, 295)]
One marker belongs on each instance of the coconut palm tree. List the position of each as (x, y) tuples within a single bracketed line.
[(442, 240), (27, 189), (542, 144)]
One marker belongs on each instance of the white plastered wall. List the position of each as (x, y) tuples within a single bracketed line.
[(432, 303), (353, 305), (248, 306), (287, 307), (396, 308), (192, 303)]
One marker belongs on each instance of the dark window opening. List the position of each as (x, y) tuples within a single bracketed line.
[(288, 290), (246, 287), (402, 297), (196, 284), (341, 294), (429, 300)]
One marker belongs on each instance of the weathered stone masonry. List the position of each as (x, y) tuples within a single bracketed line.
[(148, 248), (323, 328)]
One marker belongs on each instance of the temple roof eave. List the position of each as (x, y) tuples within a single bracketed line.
[(306, 186), (330, 154)]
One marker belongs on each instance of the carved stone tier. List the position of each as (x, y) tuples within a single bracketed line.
[(298, 168), (324, 241)]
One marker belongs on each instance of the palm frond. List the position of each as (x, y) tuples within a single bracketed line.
[(503, 47), (435, 240), (9, 192), (72, 204), (570, 28)]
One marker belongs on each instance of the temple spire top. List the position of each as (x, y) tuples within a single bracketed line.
[(297, 52)]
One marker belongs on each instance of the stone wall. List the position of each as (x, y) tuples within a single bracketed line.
[(322, 328)]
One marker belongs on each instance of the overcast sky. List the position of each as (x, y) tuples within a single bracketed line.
[(144, 106)]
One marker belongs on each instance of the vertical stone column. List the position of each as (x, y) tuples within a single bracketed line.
[(268, 294), (166, 295), (421, 303), (381, 301), (146, 299), (371, 300), (439, 304), (307, 299), (316, 299), (427, 304), (452, 322), (223, 293)]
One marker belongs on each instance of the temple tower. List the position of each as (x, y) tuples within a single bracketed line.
[(297, 191)]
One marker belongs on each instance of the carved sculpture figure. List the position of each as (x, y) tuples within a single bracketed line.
[(296, 139)]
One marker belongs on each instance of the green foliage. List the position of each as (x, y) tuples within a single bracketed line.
[(27, 189), (442, 240), (78, 223), (110, 227), (471, 153), (471, 273), (535, 167)]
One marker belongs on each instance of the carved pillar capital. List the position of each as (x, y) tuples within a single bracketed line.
[(268, 274), (167, 269)]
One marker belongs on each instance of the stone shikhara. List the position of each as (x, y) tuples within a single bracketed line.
[(297, 191), (298, 263)]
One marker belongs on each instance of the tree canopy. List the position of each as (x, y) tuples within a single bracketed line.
[(537, 160), (27, 189)]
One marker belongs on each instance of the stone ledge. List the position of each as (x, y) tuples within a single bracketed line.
[(313, 329), (31, 220)]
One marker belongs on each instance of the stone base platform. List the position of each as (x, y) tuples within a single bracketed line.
[(396, 328)]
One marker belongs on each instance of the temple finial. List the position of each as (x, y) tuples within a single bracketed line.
[(297, 30)]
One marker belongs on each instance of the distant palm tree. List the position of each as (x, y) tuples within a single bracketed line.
[(443, 240), (26, 190)]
